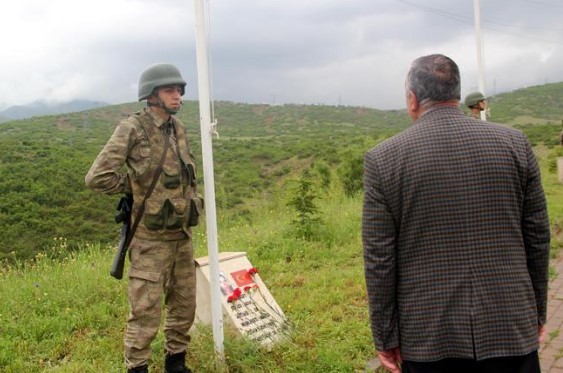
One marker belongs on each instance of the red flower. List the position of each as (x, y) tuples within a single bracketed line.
[(253, 271), (235, 296), (247, 288)]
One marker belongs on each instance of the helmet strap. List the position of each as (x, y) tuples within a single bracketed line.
[(159, 103)]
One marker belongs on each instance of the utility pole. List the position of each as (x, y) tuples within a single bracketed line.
[(480, 58), (207, 130)]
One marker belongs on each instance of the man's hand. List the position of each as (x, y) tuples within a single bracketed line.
[(390, 359), (541, 333)]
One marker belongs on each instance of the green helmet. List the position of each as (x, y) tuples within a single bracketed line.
[(473, 99), (159, 75)]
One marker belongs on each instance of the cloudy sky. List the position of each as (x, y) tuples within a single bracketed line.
[(351, 52)]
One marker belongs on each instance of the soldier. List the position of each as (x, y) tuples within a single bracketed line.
[(161, 178), (477, 102)]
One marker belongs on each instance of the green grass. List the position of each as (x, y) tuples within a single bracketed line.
[(554, 195), (61, 313), (64, 313)]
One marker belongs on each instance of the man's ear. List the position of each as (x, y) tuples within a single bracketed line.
[(412, 103), (153, 98)]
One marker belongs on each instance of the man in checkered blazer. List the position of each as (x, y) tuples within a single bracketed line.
[(456, 237)]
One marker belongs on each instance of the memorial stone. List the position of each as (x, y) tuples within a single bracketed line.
[(246, 303)]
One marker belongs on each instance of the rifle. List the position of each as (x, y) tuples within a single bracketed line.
[(124, 208)]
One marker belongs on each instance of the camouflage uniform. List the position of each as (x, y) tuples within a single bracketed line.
[(161, 252)]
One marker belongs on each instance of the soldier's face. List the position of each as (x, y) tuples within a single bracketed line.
[(171, 96)]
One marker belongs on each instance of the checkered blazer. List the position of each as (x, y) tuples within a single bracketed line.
[(456, 240)]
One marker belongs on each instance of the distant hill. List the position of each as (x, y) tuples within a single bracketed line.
[(542, 104), (537, 110), (44, 108)]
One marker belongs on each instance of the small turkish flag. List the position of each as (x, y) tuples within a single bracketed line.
[(242, 277)]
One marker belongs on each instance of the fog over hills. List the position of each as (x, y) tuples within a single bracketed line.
[(47, 108)]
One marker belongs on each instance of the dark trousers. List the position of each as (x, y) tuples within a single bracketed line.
[(512, 364)]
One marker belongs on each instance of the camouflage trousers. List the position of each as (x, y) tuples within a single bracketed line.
[(157, 268)]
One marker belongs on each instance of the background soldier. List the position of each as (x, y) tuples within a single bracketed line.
[(161, 178), (477, 102)]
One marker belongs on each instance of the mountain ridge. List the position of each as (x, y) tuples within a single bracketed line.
[(41, 107)]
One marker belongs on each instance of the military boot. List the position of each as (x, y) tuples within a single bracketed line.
[(141, 369), (176, 363)]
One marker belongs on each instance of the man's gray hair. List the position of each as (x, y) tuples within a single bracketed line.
[(433, 79)]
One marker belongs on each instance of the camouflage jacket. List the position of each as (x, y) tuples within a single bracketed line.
[(138, 142)]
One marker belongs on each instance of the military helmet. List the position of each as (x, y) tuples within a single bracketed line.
[(473, 99), (159, 75)]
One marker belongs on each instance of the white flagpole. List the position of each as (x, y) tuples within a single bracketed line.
[(208, 176), (480, 63)]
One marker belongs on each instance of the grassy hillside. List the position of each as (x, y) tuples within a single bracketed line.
[(532, 105), (538, 111), (78, 327), (318, 283), (313, 267), (43, 162)]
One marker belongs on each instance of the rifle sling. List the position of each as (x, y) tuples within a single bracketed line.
[(149, 192)]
